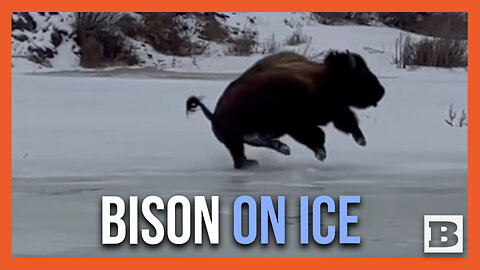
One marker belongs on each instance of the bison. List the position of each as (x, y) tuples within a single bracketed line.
[(286, 93)]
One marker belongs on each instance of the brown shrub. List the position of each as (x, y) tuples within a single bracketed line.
[(435, 52), (297, 38), (212, 29), (437, 24), (91, 53), (100, 40), (166, 35), (270, 45), (130, 26), (244, 44), (451, 25), (332, 18)]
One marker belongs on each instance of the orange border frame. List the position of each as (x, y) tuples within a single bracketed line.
[(230, 263)]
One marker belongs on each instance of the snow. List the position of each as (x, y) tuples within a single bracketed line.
[(80, 135), (41, 38), (361, 39), (63, 21)]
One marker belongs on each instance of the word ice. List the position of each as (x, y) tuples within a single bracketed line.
[(267, 212)]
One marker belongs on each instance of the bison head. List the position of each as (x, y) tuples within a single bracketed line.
[(352, 81)]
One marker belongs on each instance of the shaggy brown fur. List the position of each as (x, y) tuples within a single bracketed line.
[(282, 60), (296, 64), (288, 94)]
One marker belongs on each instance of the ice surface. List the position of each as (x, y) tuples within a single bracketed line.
[(78, 138)]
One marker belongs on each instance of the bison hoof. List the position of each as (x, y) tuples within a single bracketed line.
[(245, 164), (321, 154), (282, 148), (360, 140)]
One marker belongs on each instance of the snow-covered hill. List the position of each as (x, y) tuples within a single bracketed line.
[(51, 34)]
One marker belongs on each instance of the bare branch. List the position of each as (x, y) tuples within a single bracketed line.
[(451, 116), (463, 119)]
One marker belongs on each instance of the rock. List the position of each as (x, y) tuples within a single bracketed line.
[(56, 37), (20, 37), (221, 15), (24, 22), (49, 53), (42, 61)]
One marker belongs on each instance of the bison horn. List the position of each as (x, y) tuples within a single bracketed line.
[(353, 63)]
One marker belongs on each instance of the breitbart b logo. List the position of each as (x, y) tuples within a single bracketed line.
[(443, 234)]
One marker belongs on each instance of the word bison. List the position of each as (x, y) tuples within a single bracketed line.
[(286, 93)]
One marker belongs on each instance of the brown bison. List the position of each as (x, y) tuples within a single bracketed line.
[(286, 93)]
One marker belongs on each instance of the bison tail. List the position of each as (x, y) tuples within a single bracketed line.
[(194, 102)]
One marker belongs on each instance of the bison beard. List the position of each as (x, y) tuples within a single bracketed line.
[(289, 94)]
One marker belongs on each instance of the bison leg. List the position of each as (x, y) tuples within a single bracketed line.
[(312, 137), (346, 121), (237, 151), (263, 141)]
